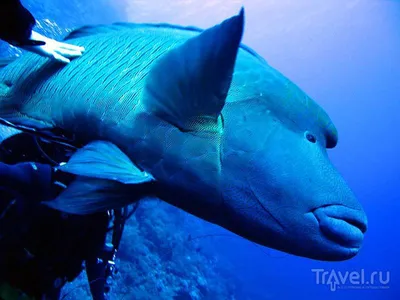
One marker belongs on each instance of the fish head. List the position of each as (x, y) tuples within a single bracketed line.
[(280, 188)]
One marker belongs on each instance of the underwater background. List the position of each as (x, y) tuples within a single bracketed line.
[(346, 56)]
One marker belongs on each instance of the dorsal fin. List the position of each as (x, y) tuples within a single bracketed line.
[(188, 86)]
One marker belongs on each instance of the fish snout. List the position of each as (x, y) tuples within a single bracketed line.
[(342, 225)]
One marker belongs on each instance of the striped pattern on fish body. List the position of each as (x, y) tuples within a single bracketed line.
[(105, 84)]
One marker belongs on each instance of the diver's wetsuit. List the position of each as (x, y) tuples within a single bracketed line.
[(40, 248), (16, 22)]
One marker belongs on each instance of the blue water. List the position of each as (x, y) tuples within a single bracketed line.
[(345, 55)]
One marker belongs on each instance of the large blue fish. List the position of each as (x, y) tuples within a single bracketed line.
[(198, 120)]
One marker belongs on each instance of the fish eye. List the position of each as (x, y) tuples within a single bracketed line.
[(310, 137)]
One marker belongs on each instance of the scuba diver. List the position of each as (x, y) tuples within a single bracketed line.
[(16, 24), (42, 249)]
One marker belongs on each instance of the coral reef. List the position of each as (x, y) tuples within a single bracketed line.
[(160, 259)]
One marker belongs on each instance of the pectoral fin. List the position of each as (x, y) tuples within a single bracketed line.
[(107, 179), (91, 195), (104, 160)]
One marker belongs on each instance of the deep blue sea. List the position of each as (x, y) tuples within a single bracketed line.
[(346, 55)]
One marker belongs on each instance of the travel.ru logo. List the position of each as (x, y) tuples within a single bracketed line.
[(352, 280)]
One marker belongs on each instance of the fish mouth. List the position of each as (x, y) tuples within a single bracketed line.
[(342, 225)]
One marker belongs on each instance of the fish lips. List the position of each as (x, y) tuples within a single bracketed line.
[(342, 225)]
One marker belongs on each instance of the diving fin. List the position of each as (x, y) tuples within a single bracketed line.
[(104, 160)]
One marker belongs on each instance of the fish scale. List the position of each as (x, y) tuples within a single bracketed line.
[(195, 119)]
